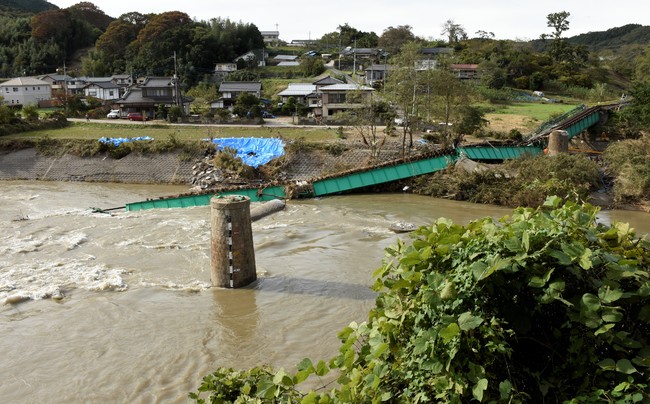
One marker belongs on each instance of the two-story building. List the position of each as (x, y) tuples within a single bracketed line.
[(222, 70), (338, 98), (150, 95), (465, 71), (104, 90), (271, 38), (25, 91), (230, 90), (60, 83), (376, 73)]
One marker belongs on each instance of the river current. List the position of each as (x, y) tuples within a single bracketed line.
[(118, 307)]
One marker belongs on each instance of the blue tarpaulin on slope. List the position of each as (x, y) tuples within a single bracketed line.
[(253, 151), (116, 141)]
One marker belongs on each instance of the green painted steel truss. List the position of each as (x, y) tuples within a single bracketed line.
[(185, 201), (347, 182)]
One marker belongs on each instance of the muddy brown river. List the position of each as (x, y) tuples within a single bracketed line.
[(119, 308)]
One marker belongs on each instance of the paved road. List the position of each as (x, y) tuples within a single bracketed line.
[(284, 122)]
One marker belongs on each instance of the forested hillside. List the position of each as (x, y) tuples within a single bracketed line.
[(631, 34), (17, 7), (36, 37), (135, 43)]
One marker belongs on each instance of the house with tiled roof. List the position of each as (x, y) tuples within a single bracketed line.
[(230, 90), (25, 91), (151, 95), (104, 90)]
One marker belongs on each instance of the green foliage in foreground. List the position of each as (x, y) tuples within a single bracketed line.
[(544, 306)]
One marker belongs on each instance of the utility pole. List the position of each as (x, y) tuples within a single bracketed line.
[(354, 58), (177, 94)]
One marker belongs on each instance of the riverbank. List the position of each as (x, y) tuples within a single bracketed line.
[(304, 161)]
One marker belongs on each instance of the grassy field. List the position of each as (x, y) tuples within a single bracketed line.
[(90, 131), (524, 116), (521, 116)]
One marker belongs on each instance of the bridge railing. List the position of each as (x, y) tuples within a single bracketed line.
[(546, 126)]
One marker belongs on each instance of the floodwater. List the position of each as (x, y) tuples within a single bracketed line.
[(118, 308)]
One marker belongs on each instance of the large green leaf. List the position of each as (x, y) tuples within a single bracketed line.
[(467, 321), (625, 366), (479, 388), (449, 332), (608, 295)]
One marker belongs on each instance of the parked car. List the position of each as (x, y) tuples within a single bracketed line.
[(266, 114), (136, 116), (114, 114)]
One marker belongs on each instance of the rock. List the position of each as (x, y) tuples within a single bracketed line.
[(402, 227)]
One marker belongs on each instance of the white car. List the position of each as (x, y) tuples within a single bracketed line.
[(114, 114)]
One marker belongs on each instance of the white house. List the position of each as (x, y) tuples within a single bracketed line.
[(104, 90), (25, 91)]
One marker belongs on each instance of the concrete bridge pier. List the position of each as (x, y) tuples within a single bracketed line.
[(558, 142), (232, 250)]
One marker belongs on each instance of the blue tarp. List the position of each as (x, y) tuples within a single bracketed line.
[(116, 141), (253, 151)]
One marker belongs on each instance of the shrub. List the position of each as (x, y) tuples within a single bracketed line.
[(547, 305), (627, 162), (521, 182)]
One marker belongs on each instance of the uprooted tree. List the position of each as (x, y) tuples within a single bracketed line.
[(547, 305)]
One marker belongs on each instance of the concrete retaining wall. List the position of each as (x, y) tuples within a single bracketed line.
[(27, 164)]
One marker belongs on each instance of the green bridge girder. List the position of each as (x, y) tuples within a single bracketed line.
[(381, 175), (499, 153), (186, 201), (588, 121), (350, 181)]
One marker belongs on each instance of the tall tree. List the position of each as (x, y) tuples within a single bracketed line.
[(393, 38), (642, 66), (402, 90), (454, 32), (559, 47)]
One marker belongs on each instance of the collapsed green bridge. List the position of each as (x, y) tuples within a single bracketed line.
[(343, 182), (573, 122)]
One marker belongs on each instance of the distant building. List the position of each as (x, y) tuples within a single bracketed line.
[(152, 94), (230, 90), (103, 90), (257, 57), (376, 73), (431, 56), (59, 83), (334, 98), (25, 91), (465, 71), (303, 42), (271, 37), (222, 70)]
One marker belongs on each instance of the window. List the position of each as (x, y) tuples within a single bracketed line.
[(15, 89), (337, 98)]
